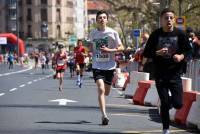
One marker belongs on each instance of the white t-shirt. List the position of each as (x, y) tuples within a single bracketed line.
[(42, 59), (109, 38)]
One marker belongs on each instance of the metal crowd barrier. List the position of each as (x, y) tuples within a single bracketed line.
[(193, 72)]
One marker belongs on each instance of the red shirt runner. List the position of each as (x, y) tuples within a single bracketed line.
[(79, 57)]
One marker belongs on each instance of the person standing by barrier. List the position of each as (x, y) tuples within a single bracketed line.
[(196, 46), (60, 61), (105, 42), (10, 60), (36, 59), (168, 47), (71, 64), (42, 60), (148, 66), (79, 53)]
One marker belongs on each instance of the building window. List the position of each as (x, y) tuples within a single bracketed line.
[(58, 15), (29, 30), (29, 14), (43, 1), (58, 2), (20, 3), (12, 14), (43, 14), (12, 26), (70, 20), (58, 32), (70, 4), (28, 2)]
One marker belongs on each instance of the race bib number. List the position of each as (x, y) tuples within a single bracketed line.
[(60, 62), (102, 57)]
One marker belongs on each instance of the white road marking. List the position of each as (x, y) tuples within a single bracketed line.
[(16, 72), (13, 89), (62, 102), (30, 82), (152, 131), (22, 85), (7, 74), (129, 115), (1, 94)]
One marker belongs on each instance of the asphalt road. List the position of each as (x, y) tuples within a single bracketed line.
[(30, 103)]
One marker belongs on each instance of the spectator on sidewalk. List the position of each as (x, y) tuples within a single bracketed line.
[(42, 60), (196, 46), (106, 42), (10, 60), (148, 66), (168, 47), (36, 59)]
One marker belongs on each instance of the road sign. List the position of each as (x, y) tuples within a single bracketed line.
[(72, 39), (180, 22), (136, 32)]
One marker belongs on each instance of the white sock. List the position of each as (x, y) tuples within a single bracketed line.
[(79, 78)]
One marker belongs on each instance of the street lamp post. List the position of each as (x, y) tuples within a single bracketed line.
[(163, 4), (180, 7), (17, 29)]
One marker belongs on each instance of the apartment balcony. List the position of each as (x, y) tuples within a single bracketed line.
[(12, 6), (13, 17)]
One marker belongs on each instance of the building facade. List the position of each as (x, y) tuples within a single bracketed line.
[(41, 23)]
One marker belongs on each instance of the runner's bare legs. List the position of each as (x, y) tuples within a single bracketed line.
[(103, 90)]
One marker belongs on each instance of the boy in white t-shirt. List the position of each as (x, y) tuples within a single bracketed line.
[(42, 59), (105, 42)]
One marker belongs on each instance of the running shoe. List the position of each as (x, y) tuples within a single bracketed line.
[(60, 88), (105, 120), (77, 83), (54, 76), (166, 131), (80, 84)]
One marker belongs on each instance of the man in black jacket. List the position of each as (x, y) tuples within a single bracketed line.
[(168, 47)]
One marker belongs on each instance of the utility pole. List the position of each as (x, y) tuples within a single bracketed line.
[(17, 28), (164, 4), (180, 7)]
